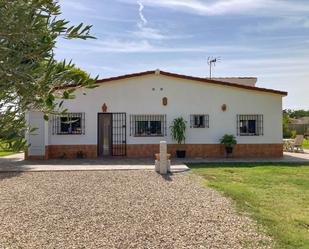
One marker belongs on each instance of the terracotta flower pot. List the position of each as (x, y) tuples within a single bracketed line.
[(157, 156)]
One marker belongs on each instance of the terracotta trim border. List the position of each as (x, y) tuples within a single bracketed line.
[(148, 150), (181, 76), (208, 150), (33, 157), (70, 151)]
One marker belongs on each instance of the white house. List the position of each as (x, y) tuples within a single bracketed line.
[(129, 115)]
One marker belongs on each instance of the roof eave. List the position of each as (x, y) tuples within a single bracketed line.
[(193, 78)]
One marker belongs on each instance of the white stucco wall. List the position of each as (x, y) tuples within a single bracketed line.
[(37, 138), (135, 96)]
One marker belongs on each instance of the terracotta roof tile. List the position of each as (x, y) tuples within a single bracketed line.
[(180, 76)]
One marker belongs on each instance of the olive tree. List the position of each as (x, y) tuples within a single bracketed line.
[(29, 73)]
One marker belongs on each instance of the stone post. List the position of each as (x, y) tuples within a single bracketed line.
[(163, 157)]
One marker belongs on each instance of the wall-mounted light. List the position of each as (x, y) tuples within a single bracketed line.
[(104, 107), (223, 107), (164, 101)]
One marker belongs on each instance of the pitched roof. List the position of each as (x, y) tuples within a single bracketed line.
[(180, 76)]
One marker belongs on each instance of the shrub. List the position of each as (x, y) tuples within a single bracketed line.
[(287, 133), (228, 140), (293, 133), (80, 154), (178, 128)]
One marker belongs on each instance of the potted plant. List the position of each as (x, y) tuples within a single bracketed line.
[(228, 141), (178, 128), (80, 154)]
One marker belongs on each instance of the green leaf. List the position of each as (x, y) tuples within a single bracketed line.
[(66, 95), (60, 104), (49, 103), (29, 72), (91, 86), (178, 129)]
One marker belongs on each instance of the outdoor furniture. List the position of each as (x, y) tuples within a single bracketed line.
[(288, 144), (298, 143)]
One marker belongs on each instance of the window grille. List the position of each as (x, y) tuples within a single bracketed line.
[(68, 124), (148, 125), (199, 121), (250, 125)]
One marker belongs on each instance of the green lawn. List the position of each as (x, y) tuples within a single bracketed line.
[(276, 196), (6, 153), (306, 144), (4, 150)]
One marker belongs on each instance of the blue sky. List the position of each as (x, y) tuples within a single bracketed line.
[(268, 39)]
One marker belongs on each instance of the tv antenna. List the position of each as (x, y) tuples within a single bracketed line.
[(212, 63)]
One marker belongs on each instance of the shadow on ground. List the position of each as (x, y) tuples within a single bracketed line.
[(6, 175)]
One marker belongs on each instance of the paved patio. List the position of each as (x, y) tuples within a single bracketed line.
[(15, 163)]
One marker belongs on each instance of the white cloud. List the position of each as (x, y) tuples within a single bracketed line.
[(209, 8), (127, 45), (143, 31), (144, 46), (149, 33), (119, 46), (140, 11), (294, 22), (155, 34), (221, 7), (261, 68), (75, 5), (109, 19)]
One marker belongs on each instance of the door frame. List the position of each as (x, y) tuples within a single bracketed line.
[(98, 133), (112, 129)]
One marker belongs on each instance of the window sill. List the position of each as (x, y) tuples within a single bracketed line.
[(61, 134), (148, 136), (250, 135)]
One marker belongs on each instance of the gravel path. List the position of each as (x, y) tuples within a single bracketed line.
[(118, 209)]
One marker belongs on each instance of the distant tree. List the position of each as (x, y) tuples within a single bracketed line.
[(29, 73), (297, 113), (285, 125)]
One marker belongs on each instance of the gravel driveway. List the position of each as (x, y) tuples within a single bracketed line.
[(118, 209)]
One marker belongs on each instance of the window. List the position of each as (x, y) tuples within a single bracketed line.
[(250, 125), (69, 124), (148, 125), (199, 121)]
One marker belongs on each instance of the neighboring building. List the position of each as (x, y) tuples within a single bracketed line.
[(129, 115), (300, 125), (300, 121), (247, 81)]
